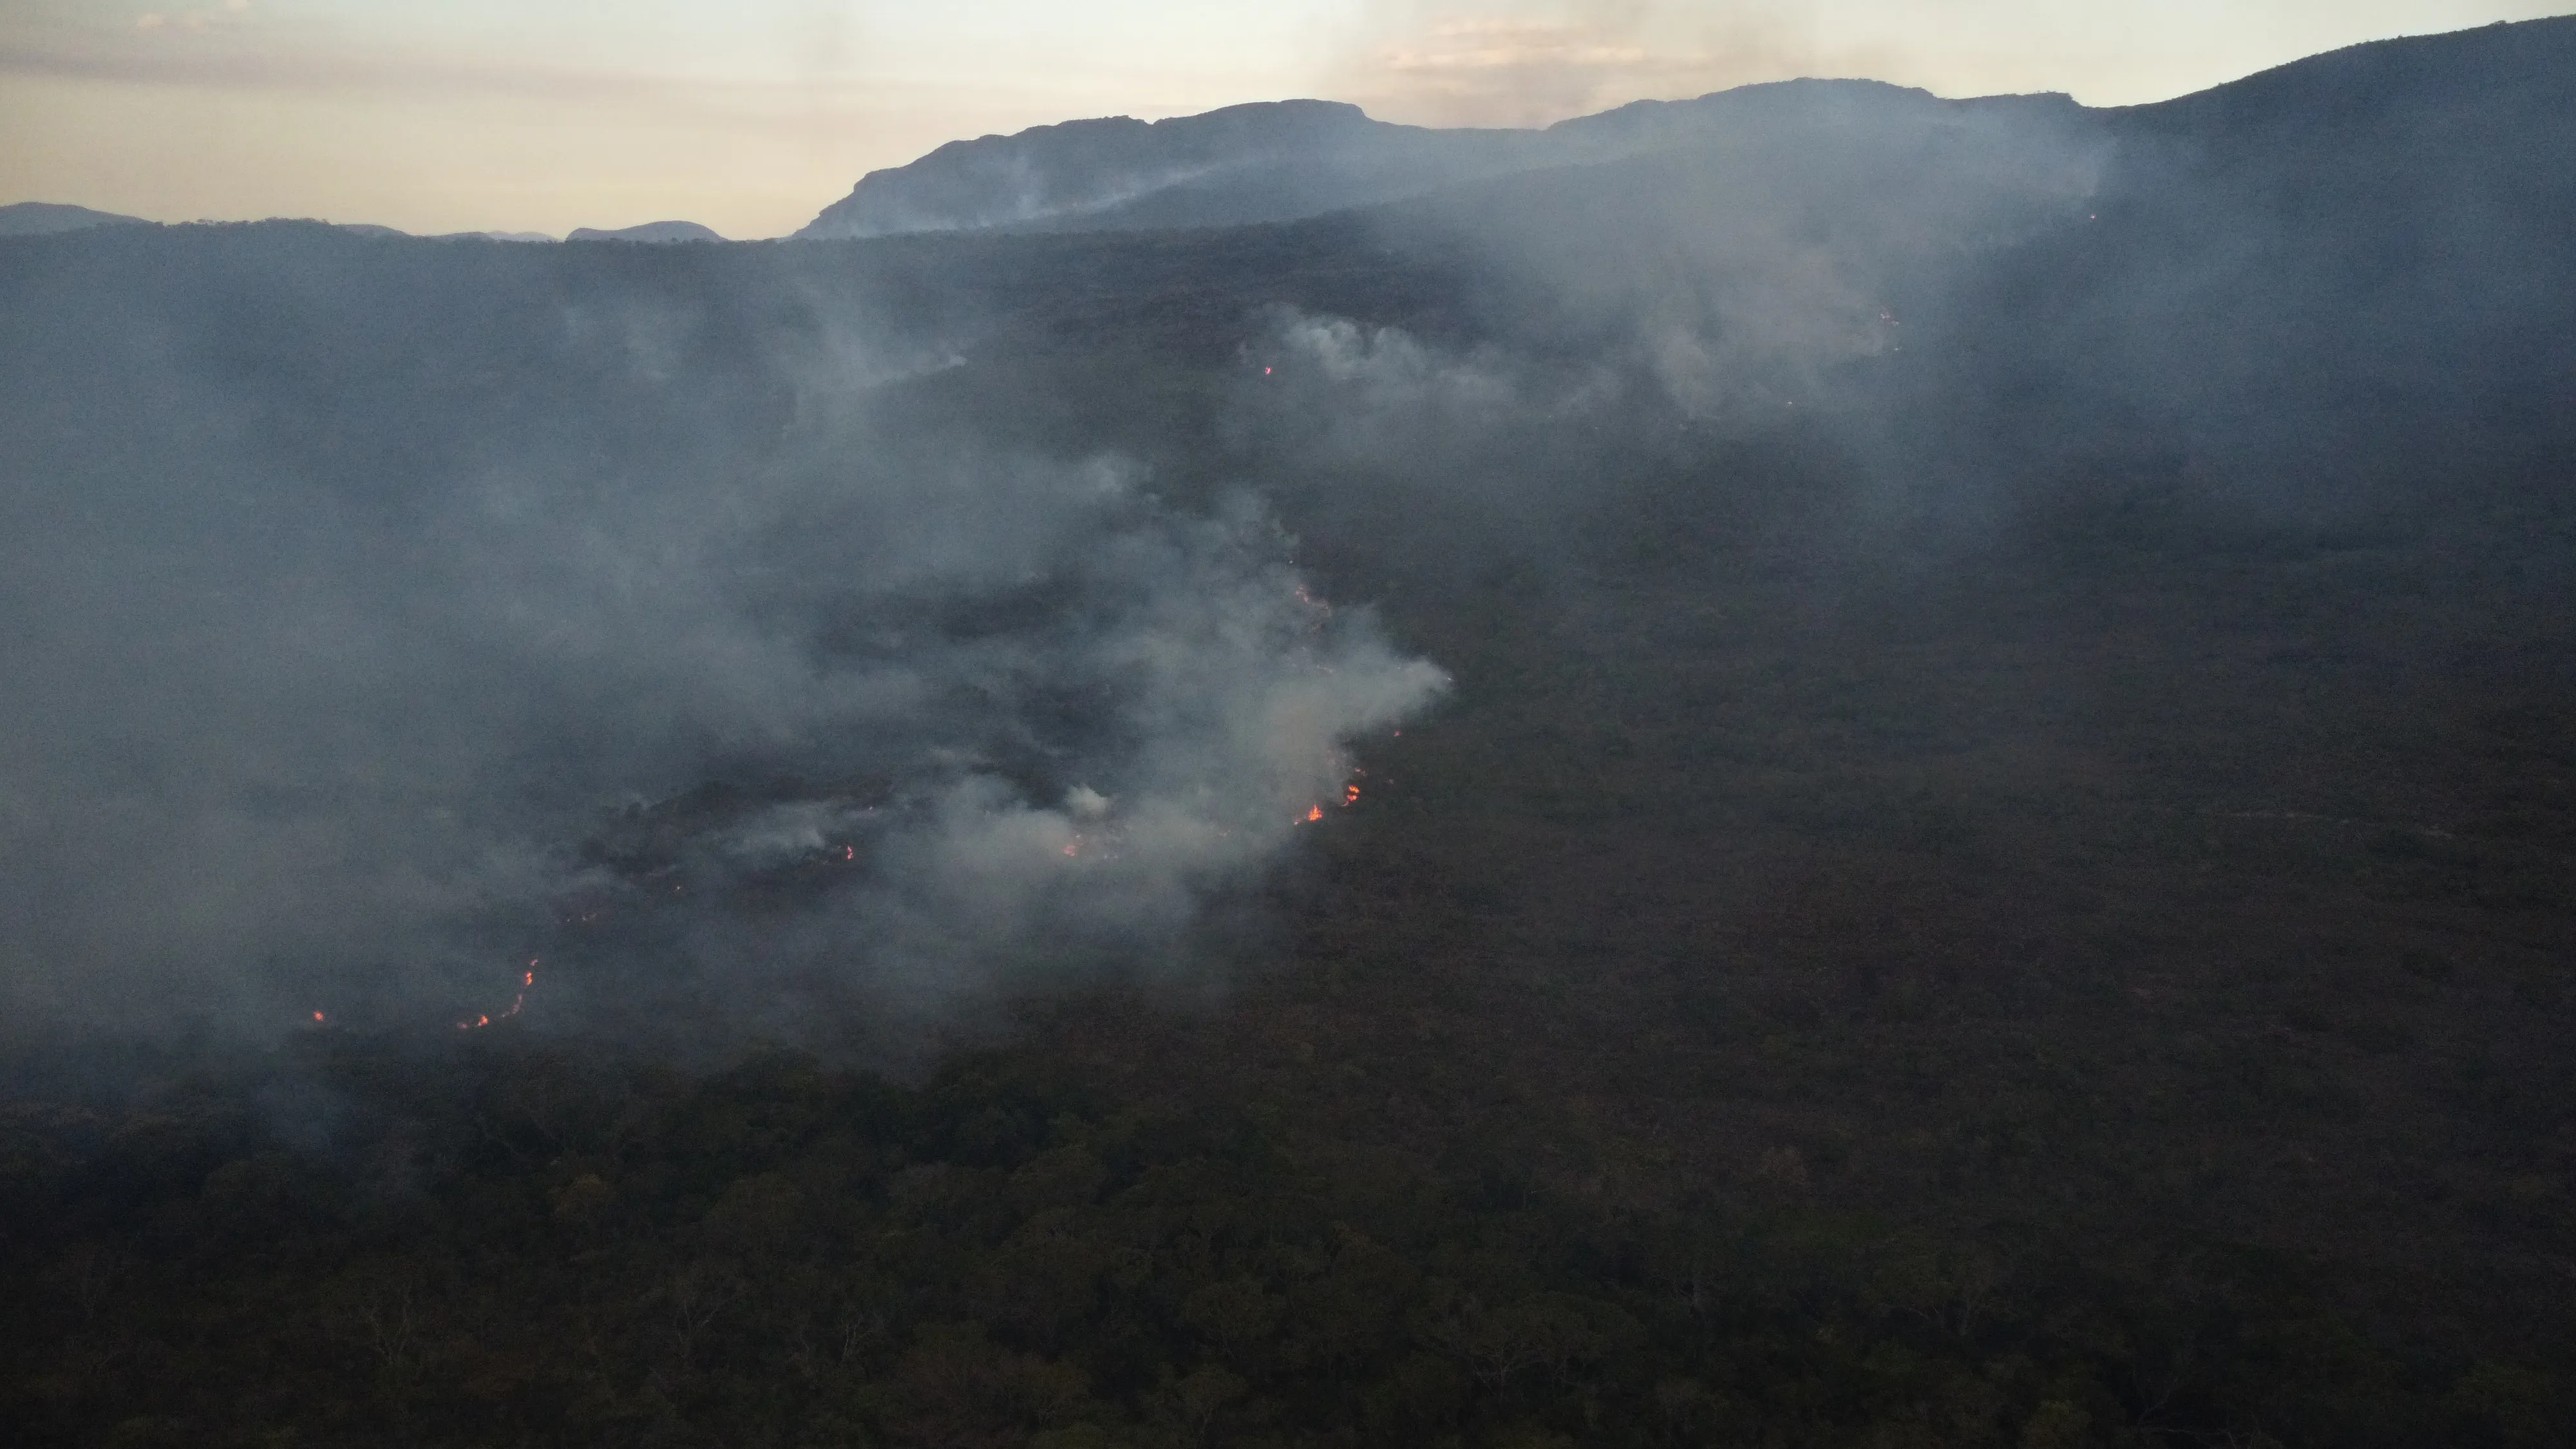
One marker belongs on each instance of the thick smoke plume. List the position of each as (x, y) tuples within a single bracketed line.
[(728, 734), (385, 614)]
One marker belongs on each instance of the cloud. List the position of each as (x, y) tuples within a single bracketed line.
[(234, 49), (1532, 64), (235, 45), (232, 13)]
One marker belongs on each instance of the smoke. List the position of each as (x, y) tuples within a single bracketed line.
[(385, 614), (761, 712), (1765, 255), (1347, 392)]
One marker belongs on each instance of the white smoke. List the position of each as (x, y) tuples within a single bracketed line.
[(844, 717)]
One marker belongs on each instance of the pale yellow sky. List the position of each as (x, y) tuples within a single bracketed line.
[(750, 116)]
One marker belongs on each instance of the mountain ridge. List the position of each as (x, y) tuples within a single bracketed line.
[(40, 218), (1282, 160), (653, 232)]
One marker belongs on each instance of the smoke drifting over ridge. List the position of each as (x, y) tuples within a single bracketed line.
[(762, 712), (1748, 270), (387, 613)]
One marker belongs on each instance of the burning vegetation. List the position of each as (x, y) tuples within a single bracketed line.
[(2023, 900)]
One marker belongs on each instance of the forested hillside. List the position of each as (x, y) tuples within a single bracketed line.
[(1988, 860)]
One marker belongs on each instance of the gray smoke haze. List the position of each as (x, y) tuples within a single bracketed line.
[(1715, 287), (384, 613), (766, 732), (1744, 268)]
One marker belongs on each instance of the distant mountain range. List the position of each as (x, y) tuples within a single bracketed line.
[(39, 218), (1280, 160), (1277, 161), (651, 231), (36, 218)]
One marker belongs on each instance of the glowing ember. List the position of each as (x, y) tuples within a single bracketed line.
[(1350, 796), (317, 1016), (527, 981), (1314, 813)]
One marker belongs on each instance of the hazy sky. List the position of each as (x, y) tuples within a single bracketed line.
[(750, 115)]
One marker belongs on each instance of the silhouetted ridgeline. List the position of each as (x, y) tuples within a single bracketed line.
[(1280, 160), (37, 218), (1940, 741), (1277, 161), (651, 231)]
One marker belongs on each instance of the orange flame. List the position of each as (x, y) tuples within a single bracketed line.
[(1314, 813), (527, 981)]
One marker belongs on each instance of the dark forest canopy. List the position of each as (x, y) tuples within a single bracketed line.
[(1964, 749)]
